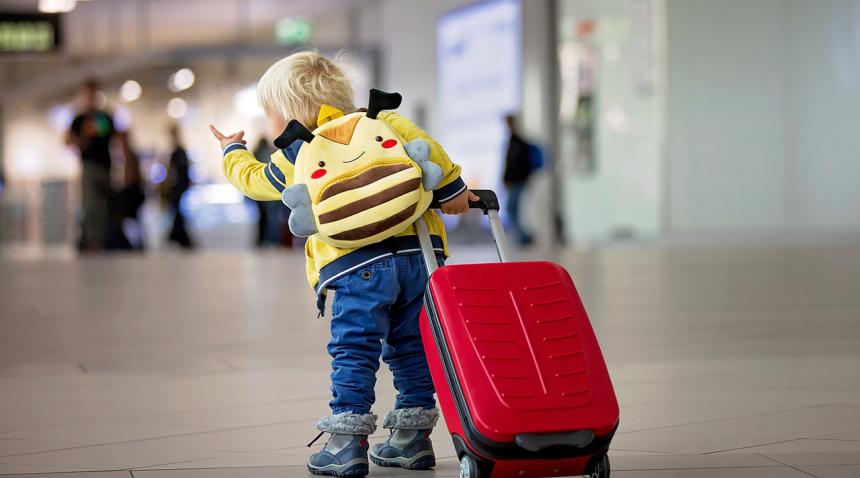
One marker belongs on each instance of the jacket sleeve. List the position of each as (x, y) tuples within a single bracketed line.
[(259, 181), (451, 184)]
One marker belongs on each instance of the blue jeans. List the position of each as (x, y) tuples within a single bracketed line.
[(375, 312)]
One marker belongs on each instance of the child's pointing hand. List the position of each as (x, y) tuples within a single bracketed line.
[(230, 138)]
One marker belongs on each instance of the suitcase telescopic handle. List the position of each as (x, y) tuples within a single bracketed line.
[(488, 203)]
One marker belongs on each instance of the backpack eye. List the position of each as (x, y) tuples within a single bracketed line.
[(321, 164), (378, 139)]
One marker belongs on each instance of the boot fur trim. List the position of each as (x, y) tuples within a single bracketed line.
[(417, 418), (348, 423)]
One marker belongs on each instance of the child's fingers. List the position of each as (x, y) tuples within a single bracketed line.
[(217, 133), (237, 137), (473, 197)]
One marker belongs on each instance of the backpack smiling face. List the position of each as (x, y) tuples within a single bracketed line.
[(362, 185)]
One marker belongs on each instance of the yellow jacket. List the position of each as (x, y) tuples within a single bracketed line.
[(266, 182)]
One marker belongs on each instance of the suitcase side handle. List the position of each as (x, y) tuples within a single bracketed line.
[(487, 202), (536, 442)]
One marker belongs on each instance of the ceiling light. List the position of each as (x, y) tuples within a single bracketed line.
[(56, 6), (130, 91), (176, 108), (181, 80)]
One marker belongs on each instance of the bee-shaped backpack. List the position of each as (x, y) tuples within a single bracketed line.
[(356, 181)]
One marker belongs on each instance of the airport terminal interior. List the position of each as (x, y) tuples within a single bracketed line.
[(692, 164)]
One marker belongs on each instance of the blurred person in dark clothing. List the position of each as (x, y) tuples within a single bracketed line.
[(91, 132), (125, 232), (518, 169), (272, 230), (177, 183)]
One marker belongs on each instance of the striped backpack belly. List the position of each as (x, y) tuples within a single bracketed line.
[(370, 205)]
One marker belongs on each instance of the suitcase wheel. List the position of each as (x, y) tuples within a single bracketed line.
[(469, 468), (598, 467)]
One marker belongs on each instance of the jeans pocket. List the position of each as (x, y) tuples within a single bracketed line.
[(362, 277), (368, 272)]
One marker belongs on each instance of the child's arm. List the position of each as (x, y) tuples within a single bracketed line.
[(259, 181), (452, 193)]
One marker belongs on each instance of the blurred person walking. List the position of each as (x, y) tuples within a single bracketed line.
[(272, 230), (519, 166), (177, 183), (91, 132), (125, 232)]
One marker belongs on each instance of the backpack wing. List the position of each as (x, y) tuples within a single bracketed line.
[(431, 174), (301, 222)]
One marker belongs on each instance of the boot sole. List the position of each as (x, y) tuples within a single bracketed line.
[(421, 461), (350, 469)]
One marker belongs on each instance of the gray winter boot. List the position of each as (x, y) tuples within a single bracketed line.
[(409, 444), (345, 453)]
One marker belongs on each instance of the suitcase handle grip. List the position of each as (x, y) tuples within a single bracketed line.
[(536, 442), (489, 203)]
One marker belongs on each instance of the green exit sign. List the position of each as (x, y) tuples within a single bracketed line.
[(29, 33), (292, 31)]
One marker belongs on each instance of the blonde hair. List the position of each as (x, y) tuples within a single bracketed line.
[(296, 87)]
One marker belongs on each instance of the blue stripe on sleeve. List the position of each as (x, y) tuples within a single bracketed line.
[(277, 173), (449, 191), (233, 147), (277, 185)]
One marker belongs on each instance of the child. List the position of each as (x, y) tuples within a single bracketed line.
[(378, 288)]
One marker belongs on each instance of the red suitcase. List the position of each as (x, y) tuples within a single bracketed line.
[(518, 372)]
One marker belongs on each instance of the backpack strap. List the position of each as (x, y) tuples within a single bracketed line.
[(292, 132)]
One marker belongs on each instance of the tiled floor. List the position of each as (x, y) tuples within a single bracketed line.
[(727, 362)]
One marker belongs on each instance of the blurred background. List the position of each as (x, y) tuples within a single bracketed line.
[(694, 164), (648, 119)]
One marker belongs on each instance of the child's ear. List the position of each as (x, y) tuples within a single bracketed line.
[(327, 113)]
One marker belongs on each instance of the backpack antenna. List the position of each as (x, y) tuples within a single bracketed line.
[(380, 100)]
